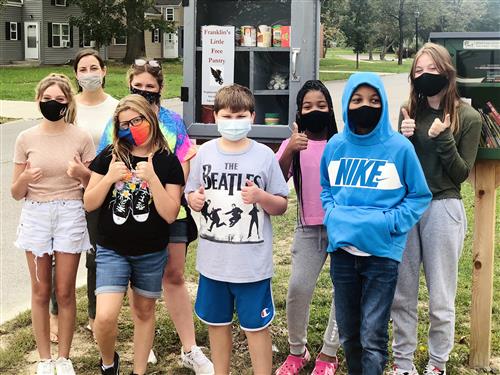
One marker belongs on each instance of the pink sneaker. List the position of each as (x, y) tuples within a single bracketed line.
[(325, 368), (293, 364)]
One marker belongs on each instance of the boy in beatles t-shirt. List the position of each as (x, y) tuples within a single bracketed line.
[(237, 183)]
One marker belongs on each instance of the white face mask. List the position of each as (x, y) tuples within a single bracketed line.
[(90, 81), (234, 129)]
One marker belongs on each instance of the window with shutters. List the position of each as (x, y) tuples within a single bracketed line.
[(60, 35), (156, 36), (13, 31), (60, 3), (169, 15)]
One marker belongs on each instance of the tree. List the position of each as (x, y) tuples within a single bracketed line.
[(331, 11), (103, 20), (356, 25), (100, 20)]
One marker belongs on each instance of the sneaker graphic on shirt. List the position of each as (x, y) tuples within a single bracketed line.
[(121, 208), (140, 203)]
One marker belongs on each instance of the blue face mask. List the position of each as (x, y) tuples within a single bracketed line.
[(127, 135), (234, 129)]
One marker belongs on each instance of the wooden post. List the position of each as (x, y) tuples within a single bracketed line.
[(486, 179)]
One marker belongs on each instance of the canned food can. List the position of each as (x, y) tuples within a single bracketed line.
[(248, 36), (264, 36), (277, 36)]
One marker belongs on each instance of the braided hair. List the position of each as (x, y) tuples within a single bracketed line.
[(311, 85)]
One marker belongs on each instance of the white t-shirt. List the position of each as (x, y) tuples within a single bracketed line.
[(94, 118)]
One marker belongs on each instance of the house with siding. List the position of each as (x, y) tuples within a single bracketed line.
[(157, 44), (39, 31)]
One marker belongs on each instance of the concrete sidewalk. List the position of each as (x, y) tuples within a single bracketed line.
[(29, 110)]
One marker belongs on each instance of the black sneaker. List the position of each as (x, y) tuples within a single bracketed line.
[(115, 370), (140, 204), (121, 207)]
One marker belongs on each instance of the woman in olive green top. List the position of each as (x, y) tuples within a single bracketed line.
[(445, 132)]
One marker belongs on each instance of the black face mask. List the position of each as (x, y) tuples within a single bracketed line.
[(151, 97), (315, 121), (364, 117), (52, 110), (429, 84)]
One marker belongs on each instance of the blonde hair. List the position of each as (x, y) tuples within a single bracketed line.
[(64, 84), (234, 97), (451, 99), (156, 140)]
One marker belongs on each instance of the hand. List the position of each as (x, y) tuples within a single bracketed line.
[(117, 170), (408, 124), (298, 141), (197, 199), (30, 175), (76, 169), (250, 193), (145, 170), (438, 127)]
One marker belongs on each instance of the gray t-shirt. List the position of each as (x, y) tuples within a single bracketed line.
[(236, 239)]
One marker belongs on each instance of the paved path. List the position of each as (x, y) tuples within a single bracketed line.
[(14, 278)]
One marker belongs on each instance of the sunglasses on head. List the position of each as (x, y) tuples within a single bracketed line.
[(151, 63)]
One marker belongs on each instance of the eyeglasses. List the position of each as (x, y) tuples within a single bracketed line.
[(151, 63), (124, 125)]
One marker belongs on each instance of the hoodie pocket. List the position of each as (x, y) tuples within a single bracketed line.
[(365, 228)]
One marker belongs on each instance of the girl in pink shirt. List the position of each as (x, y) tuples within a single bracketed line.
[(299, 157), (50, 168)]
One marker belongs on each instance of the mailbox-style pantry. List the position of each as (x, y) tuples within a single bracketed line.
[(276, 50)]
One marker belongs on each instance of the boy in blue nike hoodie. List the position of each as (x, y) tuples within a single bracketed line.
[(374, 191)]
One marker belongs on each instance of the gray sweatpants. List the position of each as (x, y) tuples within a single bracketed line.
[(436, 242), (308, 257)]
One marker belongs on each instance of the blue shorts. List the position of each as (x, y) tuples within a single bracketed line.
[(178, 231), (254, 303), (115, 271)]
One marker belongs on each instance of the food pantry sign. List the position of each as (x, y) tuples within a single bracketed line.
[(217, 60)]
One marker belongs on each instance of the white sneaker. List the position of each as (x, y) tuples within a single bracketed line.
[(197, 361), (397, 371), (64, 366), (152, 358), (433, 370), (46, 367)]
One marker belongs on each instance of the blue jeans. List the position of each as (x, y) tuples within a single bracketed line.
[(144, 272), (364, 290)]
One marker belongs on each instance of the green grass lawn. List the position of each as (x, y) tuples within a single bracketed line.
[(335, 62), (18, 83), (17, 339)]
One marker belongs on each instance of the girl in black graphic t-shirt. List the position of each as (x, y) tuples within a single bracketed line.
[(137, 183)]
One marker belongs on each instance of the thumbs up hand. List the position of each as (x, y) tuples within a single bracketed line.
[(251, 193), (298, 141), (145, 170), (439, 126), (117, 170), (76, 169), (30, 174), (197, 199), (408, 124)]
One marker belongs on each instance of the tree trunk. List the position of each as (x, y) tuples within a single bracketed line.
[(400, 25), (383, 51), (370, 54), (357, 60), (135, 31)]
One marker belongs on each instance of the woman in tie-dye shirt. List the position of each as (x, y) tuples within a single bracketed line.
[(146, 79)]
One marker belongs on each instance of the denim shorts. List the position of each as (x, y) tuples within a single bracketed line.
[(216, 300), (178, 231), (60, 225), (115, 271)]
